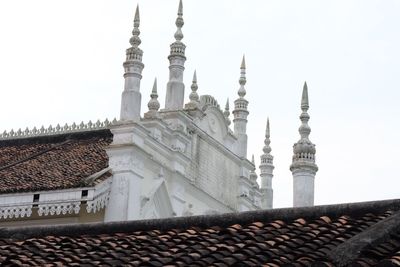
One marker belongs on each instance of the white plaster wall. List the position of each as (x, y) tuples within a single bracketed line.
[(217, 174)]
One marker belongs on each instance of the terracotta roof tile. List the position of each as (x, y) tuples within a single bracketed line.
[(54, 162), (245, 239)]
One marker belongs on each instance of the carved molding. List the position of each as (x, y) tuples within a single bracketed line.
[(15, 212), (99, 203), (59, 208)]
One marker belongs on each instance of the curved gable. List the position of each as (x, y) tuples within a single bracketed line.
[(214, 123)]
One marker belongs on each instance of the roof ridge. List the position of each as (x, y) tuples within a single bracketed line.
[(72, 128), (34, 155), (349, 250), (288, 214)]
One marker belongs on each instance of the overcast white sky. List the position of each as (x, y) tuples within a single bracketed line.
[(61, 61)]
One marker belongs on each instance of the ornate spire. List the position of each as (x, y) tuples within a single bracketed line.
[(194, 97), (227, 113), (253, 174), (175, 95), (133, 66), (177, 47), (303, 166), (242, 80), (266, 171), (267, 157), (304, 149), (240, 113), (135, 53)]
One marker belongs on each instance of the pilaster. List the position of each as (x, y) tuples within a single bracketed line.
[(126, 160)]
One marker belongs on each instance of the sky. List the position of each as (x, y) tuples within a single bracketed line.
[(61, 62)]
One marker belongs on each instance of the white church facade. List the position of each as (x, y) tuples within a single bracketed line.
[(187, 158)]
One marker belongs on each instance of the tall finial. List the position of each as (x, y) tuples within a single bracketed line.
[(304, 129), (304, 147), (179, 23), (267, 142), (194, 97), (135, 52), (303, 162), (242, 80), (227, 113)]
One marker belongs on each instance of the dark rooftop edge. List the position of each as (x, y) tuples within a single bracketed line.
[(56, 137), (227, 219)]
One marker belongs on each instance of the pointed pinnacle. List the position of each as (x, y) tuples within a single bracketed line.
[(252, 159), (243, 65), (180, 8), (304, 97), (154, 91), (194, 77), (137, 16), (227, 104), (267, 131)]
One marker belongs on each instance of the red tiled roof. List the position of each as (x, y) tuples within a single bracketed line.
[(361, 234), (53, 162)]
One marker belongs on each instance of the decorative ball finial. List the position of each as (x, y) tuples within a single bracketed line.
[(135, 53), (153, 104), (179, 23), (267, 141), (242, 80), (227, 113), (135, 39)]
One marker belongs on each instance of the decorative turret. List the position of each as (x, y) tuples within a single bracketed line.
[(153, 104), (227, 113), (266, 172), (303, 165), (131, 97), (240, 114), (175, 88), (194, 96)]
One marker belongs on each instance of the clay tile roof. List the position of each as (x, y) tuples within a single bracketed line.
[(52, 162), (361, 234)]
